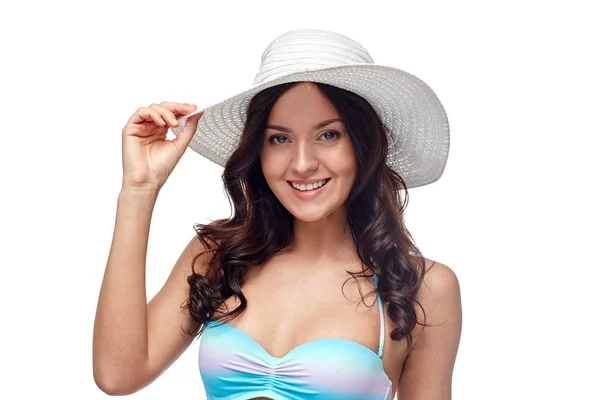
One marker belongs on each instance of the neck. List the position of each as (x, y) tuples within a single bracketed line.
[(327, 238)]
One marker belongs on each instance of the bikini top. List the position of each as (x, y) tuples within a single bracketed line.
[(233, 366)]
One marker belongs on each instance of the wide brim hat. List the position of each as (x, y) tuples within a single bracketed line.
[(412, 115)]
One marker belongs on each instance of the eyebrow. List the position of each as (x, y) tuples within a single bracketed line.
[(317, 126)]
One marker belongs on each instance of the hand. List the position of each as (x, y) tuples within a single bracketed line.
[(148, 157)]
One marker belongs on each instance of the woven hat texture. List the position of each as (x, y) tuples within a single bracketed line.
[(413, 116)]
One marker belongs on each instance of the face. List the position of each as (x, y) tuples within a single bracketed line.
[(307, 156)]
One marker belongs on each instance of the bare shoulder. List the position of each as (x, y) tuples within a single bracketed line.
[(439, 280), (428, 368), (439, 296), (195, 253)]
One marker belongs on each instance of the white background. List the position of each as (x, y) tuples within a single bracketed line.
[(515, 214)]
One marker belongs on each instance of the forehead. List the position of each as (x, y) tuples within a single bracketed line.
[(303, 104)]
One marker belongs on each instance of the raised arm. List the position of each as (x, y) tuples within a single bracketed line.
[(135, 341)]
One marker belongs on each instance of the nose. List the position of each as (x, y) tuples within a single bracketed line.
[(304, 159)]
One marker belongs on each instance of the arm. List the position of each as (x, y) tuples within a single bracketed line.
[(427, 373), (134, 342)]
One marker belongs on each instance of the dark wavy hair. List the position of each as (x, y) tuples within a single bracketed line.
[(260, 226)]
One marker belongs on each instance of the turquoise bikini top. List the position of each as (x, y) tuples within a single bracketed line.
[(233, 366)]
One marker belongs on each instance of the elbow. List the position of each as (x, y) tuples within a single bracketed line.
[(116, 384), (112, 387)]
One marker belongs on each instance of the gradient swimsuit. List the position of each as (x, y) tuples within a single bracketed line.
[(234, 366)]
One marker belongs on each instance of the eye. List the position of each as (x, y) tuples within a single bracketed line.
[(330, 135), (277, 139)]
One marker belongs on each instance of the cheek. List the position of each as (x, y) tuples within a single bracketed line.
[(345, 162), (271, 166)]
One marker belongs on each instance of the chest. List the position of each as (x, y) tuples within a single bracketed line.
[(287, 309), (297, 313)]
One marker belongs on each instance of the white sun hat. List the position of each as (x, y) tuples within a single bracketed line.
[(412, 115)]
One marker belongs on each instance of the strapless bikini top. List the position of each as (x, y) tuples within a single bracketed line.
[(233, 366)]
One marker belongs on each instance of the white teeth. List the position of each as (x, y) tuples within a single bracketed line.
[(310, 186)]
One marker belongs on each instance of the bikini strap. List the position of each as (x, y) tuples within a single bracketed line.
[(381, 320)]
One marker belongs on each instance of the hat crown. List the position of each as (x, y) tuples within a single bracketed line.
[(308, 49)]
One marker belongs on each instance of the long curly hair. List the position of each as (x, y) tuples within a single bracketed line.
[(260, 226)]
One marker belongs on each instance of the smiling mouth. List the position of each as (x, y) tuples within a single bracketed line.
[(310, 186)]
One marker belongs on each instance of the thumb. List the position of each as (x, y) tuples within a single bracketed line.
[(185, 136)]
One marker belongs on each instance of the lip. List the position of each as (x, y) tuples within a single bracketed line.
[(307, 181), (310, 194)]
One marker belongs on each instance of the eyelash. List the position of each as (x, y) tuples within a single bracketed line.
[(272, 138)]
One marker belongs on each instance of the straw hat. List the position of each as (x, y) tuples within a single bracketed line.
[(412, 115)]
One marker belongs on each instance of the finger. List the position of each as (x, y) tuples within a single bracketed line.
[(157, 118), (167, 113), (178, 109), (144, 114), (184, 137)]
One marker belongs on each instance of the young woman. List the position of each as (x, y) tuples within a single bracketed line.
[(313, 289)]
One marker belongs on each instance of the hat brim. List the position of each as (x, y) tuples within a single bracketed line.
[(413, 116)]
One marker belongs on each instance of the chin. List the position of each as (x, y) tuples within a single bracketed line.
[(308, 216), (312, 212)]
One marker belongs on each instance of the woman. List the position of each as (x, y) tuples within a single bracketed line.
[(313, 289)]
